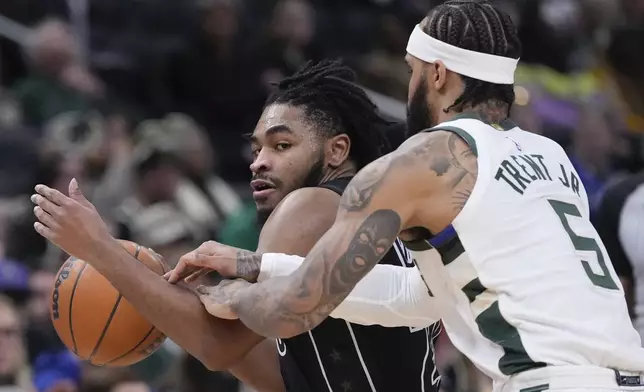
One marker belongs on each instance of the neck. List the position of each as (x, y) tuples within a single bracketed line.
[(347, 169), (492, 112)]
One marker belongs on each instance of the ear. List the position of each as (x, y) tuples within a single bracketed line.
[(439, 77), (337, 150)]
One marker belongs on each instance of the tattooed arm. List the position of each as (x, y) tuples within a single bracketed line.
[(387, 196)]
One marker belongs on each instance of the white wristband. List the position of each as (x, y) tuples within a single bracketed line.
[(278, 264)]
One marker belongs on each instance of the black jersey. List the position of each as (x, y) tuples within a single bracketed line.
[(338, 356)]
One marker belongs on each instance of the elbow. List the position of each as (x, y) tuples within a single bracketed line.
[(216, 356), (216, 362), (214, 365)]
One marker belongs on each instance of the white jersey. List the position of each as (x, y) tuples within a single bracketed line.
[(524, 278)]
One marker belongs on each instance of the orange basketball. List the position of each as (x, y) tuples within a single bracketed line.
[(95, 322)]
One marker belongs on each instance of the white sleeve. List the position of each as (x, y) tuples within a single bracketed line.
[(389, 295)]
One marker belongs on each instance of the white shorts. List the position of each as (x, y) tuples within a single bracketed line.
[(572, 379)]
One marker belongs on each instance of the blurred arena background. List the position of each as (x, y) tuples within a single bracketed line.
[(146, 102)]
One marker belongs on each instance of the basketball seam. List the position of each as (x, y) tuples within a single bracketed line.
[(71, 307), (137, 251), (111, 316), (133, 349), (107, 326)]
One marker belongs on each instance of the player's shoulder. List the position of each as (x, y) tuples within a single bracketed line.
[(433, 142), (304, 200)]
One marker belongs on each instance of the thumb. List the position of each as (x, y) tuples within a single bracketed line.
[(75, 192)]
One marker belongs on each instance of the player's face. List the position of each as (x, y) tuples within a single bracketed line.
[(288, 154), (419, 115)]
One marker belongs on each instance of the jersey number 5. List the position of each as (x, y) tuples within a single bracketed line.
[(604, 279)]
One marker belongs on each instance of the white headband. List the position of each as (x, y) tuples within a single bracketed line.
[(481, 66)]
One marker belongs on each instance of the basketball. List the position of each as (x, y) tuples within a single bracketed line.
[(94, 321)]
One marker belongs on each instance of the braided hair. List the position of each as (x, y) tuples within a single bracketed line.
[(478, 26), (330, 99)]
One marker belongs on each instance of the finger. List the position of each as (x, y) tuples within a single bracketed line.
[(217, 309), (76, 194), (196, 275), (181, 272), (52, 194), (46, 205), (203, 290), (44, 231), (46, 219), (212, 263)]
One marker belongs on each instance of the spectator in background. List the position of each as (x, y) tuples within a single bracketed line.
[(150, 216), (216, 80), (57, 372), (205, 197), (59, 81), (14, 282), (590, 152), (14, 369), (111, 380), (19, 162), (385, 67), (634, 10), (41, 336), (289, 40), (598, 147), (95, 146)]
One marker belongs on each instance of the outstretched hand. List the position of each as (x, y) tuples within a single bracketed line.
[(211, 256), (70, 222)]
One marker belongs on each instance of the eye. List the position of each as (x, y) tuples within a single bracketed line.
[(255, 151), (282, 146)]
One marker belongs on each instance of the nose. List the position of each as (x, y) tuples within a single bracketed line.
[(261, 163)]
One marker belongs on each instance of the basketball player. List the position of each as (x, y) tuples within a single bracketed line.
[(527, 290), (619, 223), (316, 131)]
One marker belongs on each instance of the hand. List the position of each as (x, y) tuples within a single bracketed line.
[(71, 223), (217, 299), (211, 256)]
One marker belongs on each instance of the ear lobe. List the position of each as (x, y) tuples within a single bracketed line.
[(338, 150), (440, 75)]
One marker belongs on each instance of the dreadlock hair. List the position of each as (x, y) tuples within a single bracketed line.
[(334, 104), (478, 26)]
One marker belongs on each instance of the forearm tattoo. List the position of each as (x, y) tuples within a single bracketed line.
[(287, 306), (248, 265), (275, 306)]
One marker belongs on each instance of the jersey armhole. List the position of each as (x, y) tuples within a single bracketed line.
[(460, 132)]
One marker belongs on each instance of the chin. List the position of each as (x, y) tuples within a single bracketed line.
[(263, 212)]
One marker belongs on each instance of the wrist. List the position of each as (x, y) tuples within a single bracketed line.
[(106, 249), (248, 265)]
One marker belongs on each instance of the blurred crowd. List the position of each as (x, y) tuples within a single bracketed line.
[(146, 103)]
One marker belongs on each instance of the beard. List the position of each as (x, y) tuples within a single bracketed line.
[(312, 179), (419, 115)]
